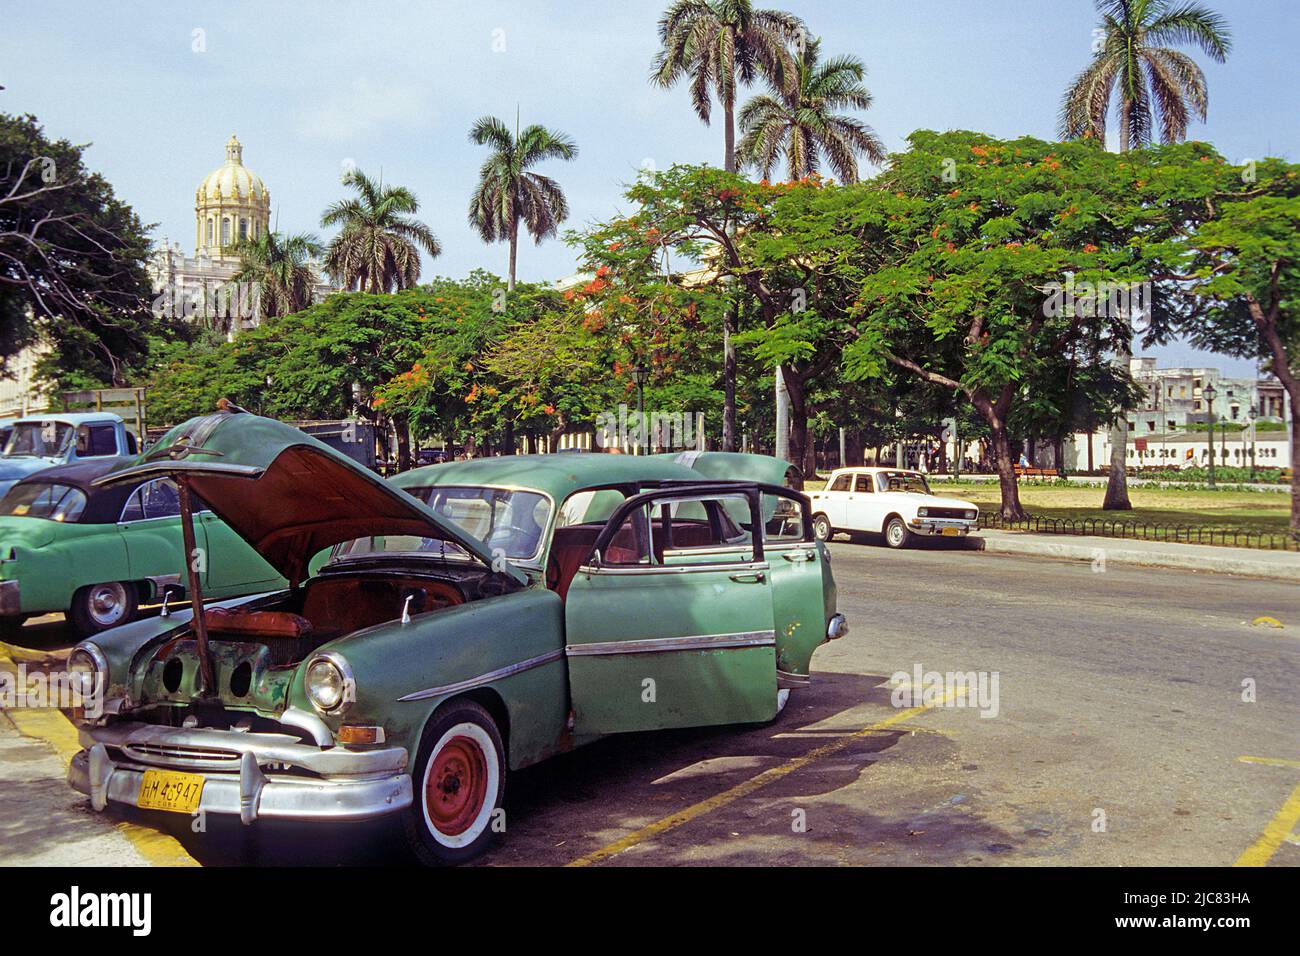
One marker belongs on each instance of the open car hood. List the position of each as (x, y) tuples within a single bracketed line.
[(287, 494)]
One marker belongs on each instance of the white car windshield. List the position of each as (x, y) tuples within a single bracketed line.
[(908, 481)]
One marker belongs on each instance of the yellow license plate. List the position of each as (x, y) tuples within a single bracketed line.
[(950, 532), (170, 790)]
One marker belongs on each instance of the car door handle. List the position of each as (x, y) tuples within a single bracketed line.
[(749, 577), (798, 556)]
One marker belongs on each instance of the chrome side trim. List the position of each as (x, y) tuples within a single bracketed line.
[(501, 672), (694, 642), (675, 568), (786, 680), (731, 549)]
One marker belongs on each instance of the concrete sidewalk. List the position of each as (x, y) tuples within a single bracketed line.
[(1278, 565), (43, 821)]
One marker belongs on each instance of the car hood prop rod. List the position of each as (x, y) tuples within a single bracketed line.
[(207, 676)]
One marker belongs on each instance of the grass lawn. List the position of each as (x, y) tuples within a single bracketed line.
[(1235, 510), (1231, 510)]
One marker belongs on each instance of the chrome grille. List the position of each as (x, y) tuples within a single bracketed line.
[(181, 755)]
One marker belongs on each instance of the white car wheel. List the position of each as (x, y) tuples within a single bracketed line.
[(459, 784), (896, 533)]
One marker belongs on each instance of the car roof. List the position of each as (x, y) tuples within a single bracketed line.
[(875, 468), (71, 418), (556, 475)]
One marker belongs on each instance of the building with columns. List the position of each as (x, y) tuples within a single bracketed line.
[(232, 204)]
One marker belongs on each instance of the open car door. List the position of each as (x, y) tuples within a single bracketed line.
[(669, 621)]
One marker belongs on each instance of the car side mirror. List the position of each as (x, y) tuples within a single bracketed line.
[(596, 558)]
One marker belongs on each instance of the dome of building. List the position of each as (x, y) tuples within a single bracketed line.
[(232, 203)]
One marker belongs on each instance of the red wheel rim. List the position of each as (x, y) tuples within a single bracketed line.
[(456, 785)]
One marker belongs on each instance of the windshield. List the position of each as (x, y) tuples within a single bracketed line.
[(44, 500), (511, 521), (41, 439), (903, 481)]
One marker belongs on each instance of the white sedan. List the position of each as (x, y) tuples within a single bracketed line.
[(890, 501)]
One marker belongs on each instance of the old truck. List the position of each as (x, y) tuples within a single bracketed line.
[(41, 441)]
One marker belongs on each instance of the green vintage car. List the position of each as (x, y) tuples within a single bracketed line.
[(98, 553), (481, 617)]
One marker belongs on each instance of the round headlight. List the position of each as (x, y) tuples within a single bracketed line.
[(328, 683), (87, 668)]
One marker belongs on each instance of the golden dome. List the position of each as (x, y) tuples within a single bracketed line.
[(232, 179), (231, 204)]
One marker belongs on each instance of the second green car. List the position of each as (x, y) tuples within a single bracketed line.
[(98, 553)]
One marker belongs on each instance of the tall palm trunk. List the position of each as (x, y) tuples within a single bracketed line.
[(729, 320), (514, 253), (1117, 482)]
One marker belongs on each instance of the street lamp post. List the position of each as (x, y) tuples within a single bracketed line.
[(1211, 393), (641, 374)]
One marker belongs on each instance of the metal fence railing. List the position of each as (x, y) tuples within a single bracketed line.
[(1144, 531)]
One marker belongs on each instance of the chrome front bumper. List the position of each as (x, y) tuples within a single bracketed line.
[(255, 779), (935, 526)]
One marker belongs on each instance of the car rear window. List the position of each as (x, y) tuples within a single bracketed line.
[(38, 499)]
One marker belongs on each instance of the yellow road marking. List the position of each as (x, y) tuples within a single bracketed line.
[(51, 726), (1277, 831), (675, 820), (1271, 761)]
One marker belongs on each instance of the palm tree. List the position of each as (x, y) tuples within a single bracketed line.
[(377, 250), (279, 266), (508, 194), (717, 44), (1135, 64), (801, 125)]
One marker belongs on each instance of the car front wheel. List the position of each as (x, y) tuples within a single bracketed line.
[(97, 607), (896, 533), (460, 781), (822, 529)]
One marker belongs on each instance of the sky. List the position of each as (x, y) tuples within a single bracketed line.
[(393, 87)]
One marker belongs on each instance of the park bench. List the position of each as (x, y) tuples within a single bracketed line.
[(1041, 474)]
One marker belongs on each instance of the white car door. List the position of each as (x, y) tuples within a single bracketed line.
[(835, 499), (862, 504)]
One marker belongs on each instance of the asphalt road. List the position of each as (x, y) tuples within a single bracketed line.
[(1118, 738)]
